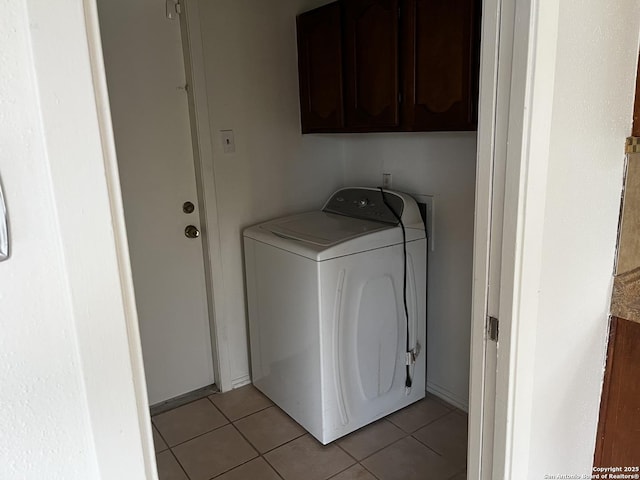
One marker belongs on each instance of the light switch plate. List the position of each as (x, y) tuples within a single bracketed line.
[(228, 142)]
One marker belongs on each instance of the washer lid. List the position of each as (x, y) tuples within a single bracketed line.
[(322, 236), (323, 229)]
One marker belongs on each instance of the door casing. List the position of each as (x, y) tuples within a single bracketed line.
[(203, 159), (516, 93)]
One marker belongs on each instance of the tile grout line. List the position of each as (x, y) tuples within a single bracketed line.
[(179, 464), (464, 470), (153, 427), (229, 422), (405, 435), (304, 432), (218, 409), (408, 435), (192, 438), (162, 438), (449, 411), (335, 442), (425, 425), (243, 463), (272, 465), (260, 455), (168, 450), (386, 446), (369, 471), (342, 471), (428, 446), (244, 416), (198, 436), (285, 443), (382, 448)]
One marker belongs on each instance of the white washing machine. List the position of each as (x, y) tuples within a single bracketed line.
[(327, 319)]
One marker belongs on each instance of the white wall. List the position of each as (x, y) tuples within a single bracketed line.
[(250, 57), (442, 165), (251, 72), (42, 392), (597, 51), (68, 397)]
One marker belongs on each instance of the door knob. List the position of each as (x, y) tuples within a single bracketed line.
[(191, 232)]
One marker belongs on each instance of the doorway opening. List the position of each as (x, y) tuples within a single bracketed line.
[(164, 202), (272, 171)]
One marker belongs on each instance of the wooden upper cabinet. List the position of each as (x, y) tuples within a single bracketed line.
[(320, 69), (440, 67), (371, 64), (389, 65)]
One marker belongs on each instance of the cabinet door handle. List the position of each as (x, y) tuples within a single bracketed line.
[(4, 230)]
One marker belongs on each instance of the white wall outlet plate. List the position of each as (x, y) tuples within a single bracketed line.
[(386, 181), (428, 200)]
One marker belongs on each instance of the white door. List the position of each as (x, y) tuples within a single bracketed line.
[(147, 89)]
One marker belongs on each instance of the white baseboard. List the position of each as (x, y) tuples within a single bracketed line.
[(240, 381), (449, 397)]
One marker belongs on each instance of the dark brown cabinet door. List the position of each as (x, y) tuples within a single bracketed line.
[(320, 69), (618, 440), (440, 66), (371, 65)]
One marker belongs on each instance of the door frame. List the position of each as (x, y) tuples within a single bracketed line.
[(488, 134), (202, 141), (526, 140), (532, 25)]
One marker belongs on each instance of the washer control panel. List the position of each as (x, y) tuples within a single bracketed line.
[(366, 203)]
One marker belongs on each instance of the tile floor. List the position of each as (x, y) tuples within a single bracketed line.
[(241, 435)]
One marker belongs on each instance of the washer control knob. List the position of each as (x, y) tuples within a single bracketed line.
[(363, 202)]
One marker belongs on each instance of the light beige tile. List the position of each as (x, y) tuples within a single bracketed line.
[(268, 429), (168, 467), (188, 421), (158, 442), (448, 437), (408, 459), (306, 458), (419, 414), (357, 472), (256, 469), (240, 402), (370, 439), (214, 453)]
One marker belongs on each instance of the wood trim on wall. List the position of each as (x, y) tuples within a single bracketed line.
[(635, 132)]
